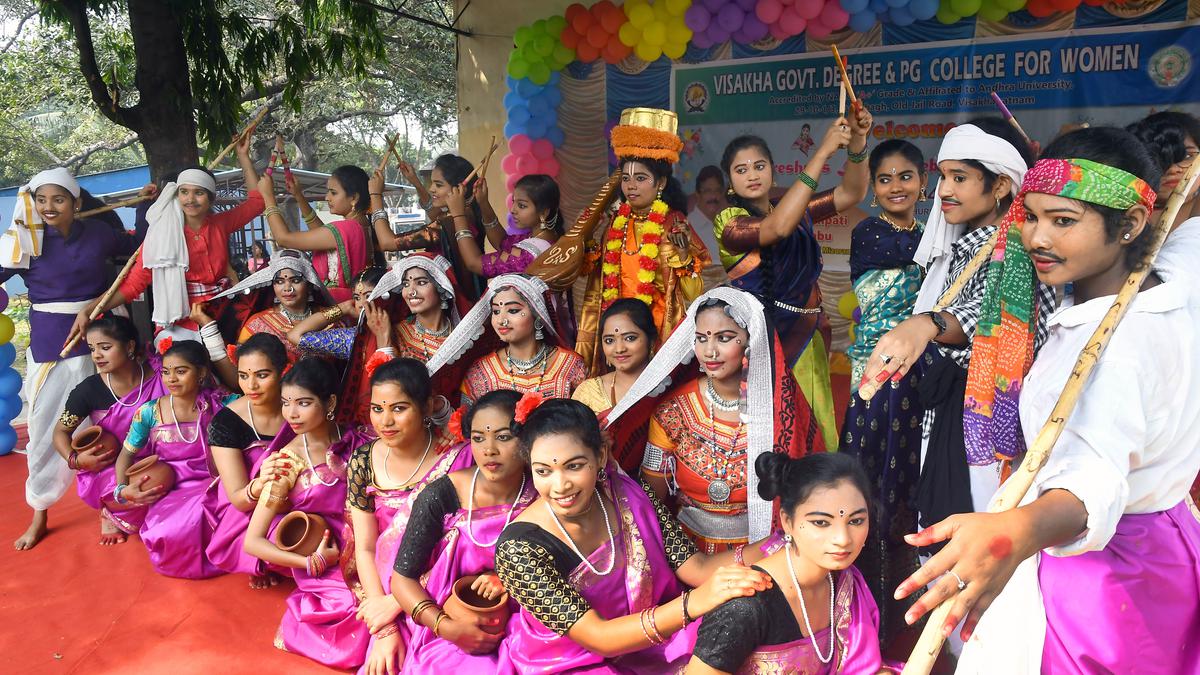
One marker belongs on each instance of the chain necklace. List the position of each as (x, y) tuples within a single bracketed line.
[(522, 366), (637, 245), (722, 404), (719, 489), (108, 383), (175, 419), (294, 318), (422, 330), (254, 426), (416, 468), (804, 610), (888, 219), (507, 519), (607, 526), (313, 466)]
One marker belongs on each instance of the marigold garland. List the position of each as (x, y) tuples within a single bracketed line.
[(647, 265)]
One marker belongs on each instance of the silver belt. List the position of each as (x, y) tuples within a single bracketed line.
[(796, 310), (714, 525)]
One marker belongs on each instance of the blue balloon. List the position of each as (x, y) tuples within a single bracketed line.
[(550, 118), (897, 3), (855, 6), (511, 129), (8, 439), (862, 21), (555, 76), (901, 16), (923, 10), (527, 88), (519, 115), (537, 128), (538, 106), (8, 354), (512, 99), (553, 96), (557, 136), (10, 382), (878, 6), (10, 407)]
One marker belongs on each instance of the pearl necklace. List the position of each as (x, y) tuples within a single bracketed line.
[(311, 465), (804, 610), (611, 542), (175, 419), (108, 383), (471, 509), (722, 404), (416, 468)]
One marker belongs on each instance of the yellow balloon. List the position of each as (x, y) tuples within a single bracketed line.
[(6, 329), (629, 35), (654, 34), (640, 15), (674, 50), (679, 33), (846, 305), (648, 52), (852, 333)]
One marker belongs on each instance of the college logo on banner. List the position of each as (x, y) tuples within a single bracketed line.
[(696, 97), (1169, 66)]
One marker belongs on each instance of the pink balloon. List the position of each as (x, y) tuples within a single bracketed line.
[(543, 148), (511, 182), (791, 22), (818, 30), (548, 166), (509, 163), (809, 9), (834, 16), (768, 11), (526, 164), (778, 32), (520, 144)]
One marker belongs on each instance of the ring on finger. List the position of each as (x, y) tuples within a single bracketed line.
[(887, 358), (961, 584)]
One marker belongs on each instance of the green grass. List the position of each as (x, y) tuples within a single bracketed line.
[(18, 311)]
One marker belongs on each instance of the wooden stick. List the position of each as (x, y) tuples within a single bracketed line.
[(842, 98), (237, 139), (1009, 116), (132, 201), (1014, 489), (487, 161), (845, 76), (486, 158), (387, 153)]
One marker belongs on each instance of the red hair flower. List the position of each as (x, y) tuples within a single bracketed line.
[(525, 407), (164, 345), (455, 424), (231, 352), (377, 359)]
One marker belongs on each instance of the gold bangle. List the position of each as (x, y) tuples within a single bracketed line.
[(420, 607), (272, 211), (311, 217), (333, 313), (437, 624)]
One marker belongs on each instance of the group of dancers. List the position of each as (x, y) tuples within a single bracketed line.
[(653, 481)]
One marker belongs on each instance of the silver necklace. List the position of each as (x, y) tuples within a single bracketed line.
[(254, 425), (522, 366), (804, 610), (295, 318), (175, 419), (108, 383), (440, 332), (611, 542), (719, 489), (416, 468), (722, 404), (313, 466), (471, 509)]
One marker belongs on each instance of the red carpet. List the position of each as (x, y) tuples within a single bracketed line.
[(73, 606)]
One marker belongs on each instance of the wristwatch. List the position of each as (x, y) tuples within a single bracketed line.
[(938, 321)]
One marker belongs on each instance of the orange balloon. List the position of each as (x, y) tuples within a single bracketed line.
[(586, 53)]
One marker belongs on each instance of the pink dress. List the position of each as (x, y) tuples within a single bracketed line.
[(229, 524), (338, 267)]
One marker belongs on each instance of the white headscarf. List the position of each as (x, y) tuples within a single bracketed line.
[(759, 413), (165, 252), (473, 325), (966, 141), (436, 267), (22, 241), (284, 259)]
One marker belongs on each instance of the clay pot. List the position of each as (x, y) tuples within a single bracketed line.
[(95, 440), (465, 604), (160, 473), (300, 532)]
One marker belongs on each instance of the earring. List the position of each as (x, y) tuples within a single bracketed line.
[(997, 205), (428, 421), (1125, 236), (445, 304), (924, 195), (537, 330), (658, 197), (874, 200), (787, 539), (730, 191), (601, 476), (329, 415)]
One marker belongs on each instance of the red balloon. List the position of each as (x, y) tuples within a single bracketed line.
[(1040, 8), (586, 53), (616, 51), (574, 11), (611, 19), (598, 37), (570, 38), (511, 182), (527, 164), (1065, 5), (509, 163), (583, 22)]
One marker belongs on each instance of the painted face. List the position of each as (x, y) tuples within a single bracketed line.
[(55, 205), (1174, 173), (720, 343), (494, 445), (291, 290), (194, 201), (362, 291), (639, 185), (397, 418), (511, 317), (711, 197), (524, 211), (964, 198), (439, 187), (303, 410), (565, 473), (625, 345), (1066, 240), (107, 353), (750, 173), (180, 377), (257, 378), (419, 291), (898, 185), (340, 202), (830, 527)]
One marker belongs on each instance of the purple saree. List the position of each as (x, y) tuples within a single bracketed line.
[(229, 524)]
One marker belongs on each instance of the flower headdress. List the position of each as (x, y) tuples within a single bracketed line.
[(525, 407), (377, 359), (454, 426), (164, 345)]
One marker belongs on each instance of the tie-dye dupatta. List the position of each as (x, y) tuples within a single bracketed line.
[(1002, 350)]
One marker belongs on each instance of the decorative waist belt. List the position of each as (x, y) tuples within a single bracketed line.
[(797, 310), (721, 526), (197, 290)]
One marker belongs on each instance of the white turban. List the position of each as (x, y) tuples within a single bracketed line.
[(22, 241), (165, 251)]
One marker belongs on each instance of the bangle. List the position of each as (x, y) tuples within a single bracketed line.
[(117, 494), (311, 218), (250, 491), (739, 552), (272, 211), (495, 222), (210, 336), (687, 618), (333, 313), (654, 626), (857, 157), (458, 215), (379, 215), (386, 631), (73, 460), (375, 194), (809, 181), (464, 234), (642, 620), (437, 624), (420, 607)]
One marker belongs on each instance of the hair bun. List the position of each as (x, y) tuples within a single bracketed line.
[(772, 469)]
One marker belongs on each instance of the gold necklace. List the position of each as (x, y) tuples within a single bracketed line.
[(896, 226)]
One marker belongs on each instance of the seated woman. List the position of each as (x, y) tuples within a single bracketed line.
[(627, 339), (238, 436), (319, 620), (825, 516), (581, 574), (417, 452), (452, 534), (533, 357), (341, 249), (705, 433), (124, 381), (175, 530)]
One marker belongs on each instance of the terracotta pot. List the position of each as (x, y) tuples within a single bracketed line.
[(465, 604), (96, 440), (300, 532), (160, 473)]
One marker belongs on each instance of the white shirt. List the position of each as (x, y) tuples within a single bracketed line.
[(703, 225)]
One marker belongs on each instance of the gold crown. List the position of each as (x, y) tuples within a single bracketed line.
[(651, 118), (648, 133)]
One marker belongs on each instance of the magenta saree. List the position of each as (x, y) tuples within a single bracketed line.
[(225, 549)]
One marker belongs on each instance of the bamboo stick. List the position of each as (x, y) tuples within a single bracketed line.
[(1013, 491), (845, 76), (132, 201), (262, 113), (1008, 116), (486, 158)]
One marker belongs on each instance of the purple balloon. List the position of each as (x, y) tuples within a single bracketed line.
[(730, 18), (754, 29), (857, 315), (700, 40), (697, 18), (747, 5), (714, 6), (716, 34)]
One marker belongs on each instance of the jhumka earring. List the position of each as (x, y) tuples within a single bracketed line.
[(537, 330), (730, 191), (874, 199)]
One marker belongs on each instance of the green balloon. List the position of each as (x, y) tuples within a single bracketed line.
[(543, 45), (562, 55), (965, 7), (517, 67), (539, 73), (6, 329), (555, 26), (992, 12), (539, 26), (947, 16), (1011, 5), (523, 35)]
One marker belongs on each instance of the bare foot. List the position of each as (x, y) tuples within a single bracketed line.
[(259, 582), (37, 530), (110, 534)]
